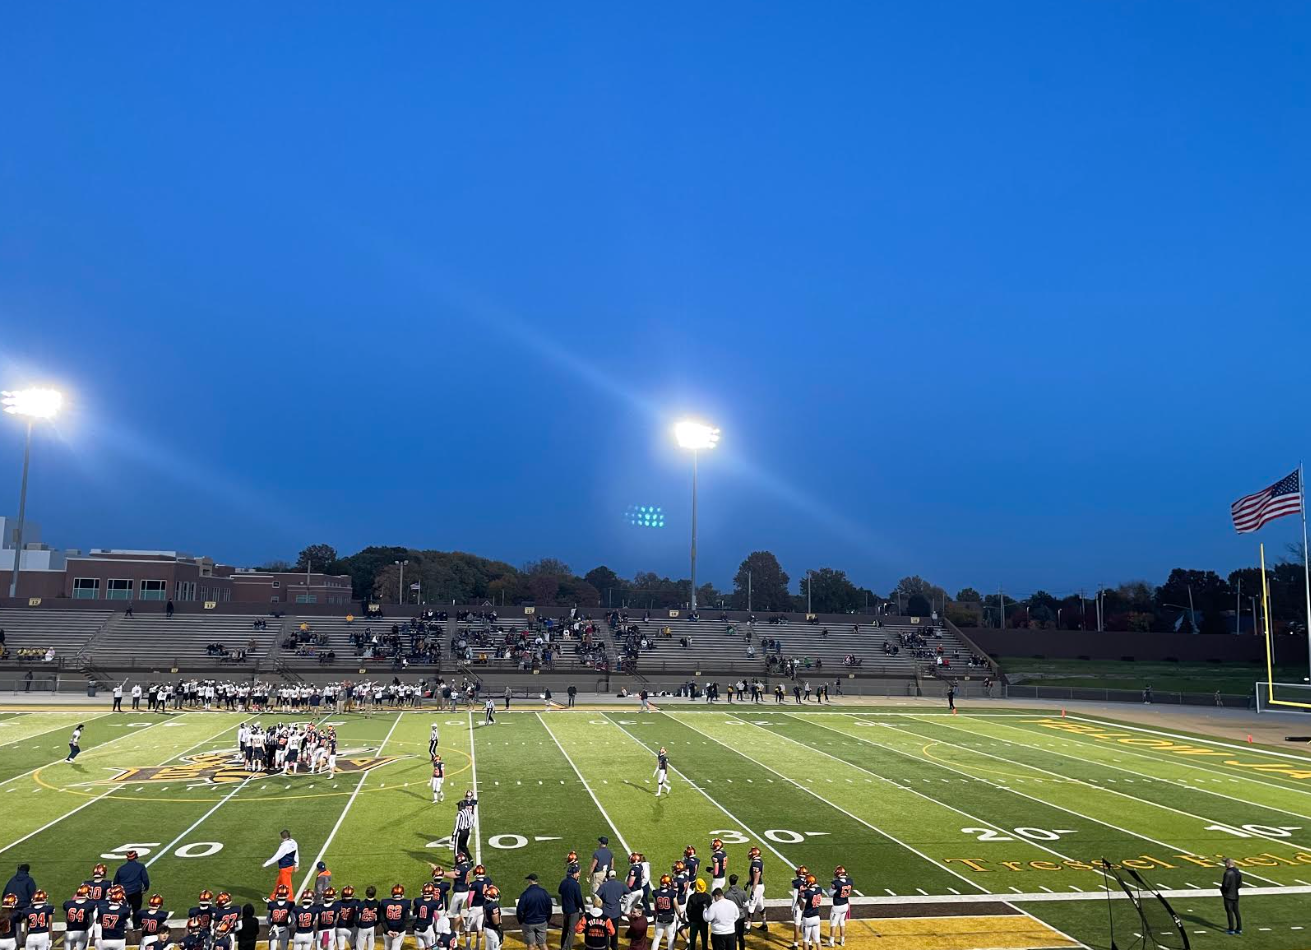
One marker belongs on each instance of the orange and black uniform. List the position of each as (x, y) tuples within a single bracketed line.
[(596, 932)]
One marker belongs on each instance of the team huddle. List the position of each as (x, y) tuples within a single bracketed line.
[(285, 747)]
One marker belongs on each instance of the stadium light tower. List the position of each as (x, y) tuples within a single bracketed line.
[(30, 405), (696, 436)]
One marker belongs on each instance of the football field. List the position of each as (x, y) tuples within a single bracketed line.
[(981, 829)]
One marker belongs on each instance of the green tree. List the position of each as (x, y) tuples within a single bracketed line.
[(275, 567), (320, 557), (768, 583), (918, 606), (610, 586), (831, 593), (909, 586), (969, 595)]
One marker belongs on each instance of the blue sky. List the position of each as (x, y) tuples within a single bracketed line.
[(998, 294)]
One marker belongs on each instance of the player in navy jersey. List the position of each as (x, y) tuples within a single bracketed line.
[(811, 899), (98, 886), (841, 909), (794, 889), (114, 916), (662, 772), (279, 921), (691, 861), (38, 919), (492, 927), (10, 919), (474, 916), (426, 910), (152, 921), (226, 912), (718, 865), (79, 915), (666, 912), (203, 912), (394, 914), (196, 938), (756, 888), (438, 779), (347, 906), (222, 939), (633, 881), (366, 919), (303, 920), (459, 876), (325, 920)]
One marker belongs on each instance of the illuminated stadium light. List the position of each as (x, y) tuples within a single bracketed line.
[(696, 435), (32, 403), (645, 516)]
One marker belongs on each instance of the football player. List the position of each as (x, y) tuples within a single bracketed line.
[(666, 913), (347, 906), (691, 862), (325, 920), (366, 919), (662, 772), (795, 888), (438, 778), (459, 875), (475, 912), (227, 912), (756, 888), (302, 922), (38, 919), (222, 940), (682, 887), (394, 913), (841, 909), (9, 921), (114, 916), (79, 914), (633, 881), (280, 911), (203, 912), (426, 911), (718, 865), (152, 921), (196, 938), (571, 863), (810, 899), (492, 917), (98, 884)]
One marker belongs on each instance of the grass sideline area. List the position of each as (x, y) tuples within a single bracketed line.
[(1231, 678), (976, 830)]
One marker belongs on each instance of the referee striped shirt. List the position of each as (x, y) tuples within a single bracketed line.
[(464, 816)]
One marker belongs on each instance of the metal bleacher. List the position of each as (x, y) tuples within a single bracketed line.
[(155, 640), (68, 631)]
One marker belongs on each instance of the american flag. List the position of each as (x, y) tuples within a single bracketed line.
[(1284, 497)]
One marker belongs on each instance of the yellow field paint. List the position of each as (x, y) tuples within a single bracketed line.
[(1284, 769), (992, 932)]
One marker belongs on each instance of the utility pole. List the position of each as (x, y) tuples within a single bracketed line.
[(810, 583), (1192, 614), (1001, 601), (1238, 607), (748, 591)]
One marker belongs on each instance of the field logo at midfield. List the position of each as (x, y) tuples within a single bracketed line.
[(222, 768)]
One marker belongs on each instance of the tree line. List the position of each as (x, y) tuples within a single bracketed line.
[(1189, 600)]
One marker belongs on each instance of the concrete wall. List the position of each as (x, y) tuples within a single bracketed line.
[(1186, 648)]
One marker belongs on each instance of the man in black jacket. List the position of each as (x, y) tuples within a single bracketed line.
[(22, 886), (571, 906), (1229, 885)]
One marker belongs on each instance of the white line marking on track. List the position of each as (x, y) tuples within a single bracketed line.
[(477, 818)]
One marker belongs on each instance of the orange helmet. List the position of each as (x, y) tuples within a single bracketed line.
[(689, 852), (479, 871), (717, 845), (307, 897), (156, 901), (224, 899), (491, 892), (571, 857), (347, 892), (223, 927), (679, 867), (802, 871), (193, 924), (10, 900), (99, 871), (83, 890), (205, 898), (282, 892), (810, 880), (40, 897), (754, 853), (634, 858), (398, 890), (666, 880), (117, 894), (428, 890), (329, 893), (839, 871)]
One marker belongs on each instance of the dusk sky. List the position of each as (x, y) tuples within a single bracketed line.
[(1006, 293)]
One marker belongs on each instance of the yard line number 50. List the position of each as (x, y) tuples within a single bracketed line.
[(193, 849)]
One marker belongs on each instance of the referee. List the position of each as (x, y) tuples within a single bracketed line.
[(432, 741), (465, 815)]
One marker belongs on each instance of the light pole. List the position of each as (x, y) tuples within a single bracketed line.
[(30, 404), (695, 436), (400, 585), (810, 583)]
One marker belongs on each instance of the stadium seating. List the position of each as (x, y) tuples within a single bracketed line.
[(68, 631), (154, 640)]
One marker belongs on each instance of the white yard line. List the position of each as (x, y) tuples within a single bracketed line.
[(477, 814), (737, 821), (109, 791), (342, 817), (895, 840), (1035, 768), (595, 800), (127, 735), (63, 724)]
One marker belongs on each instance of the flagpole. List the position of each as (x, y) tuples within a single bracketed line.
[(1306, 566), (1265, 603)]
